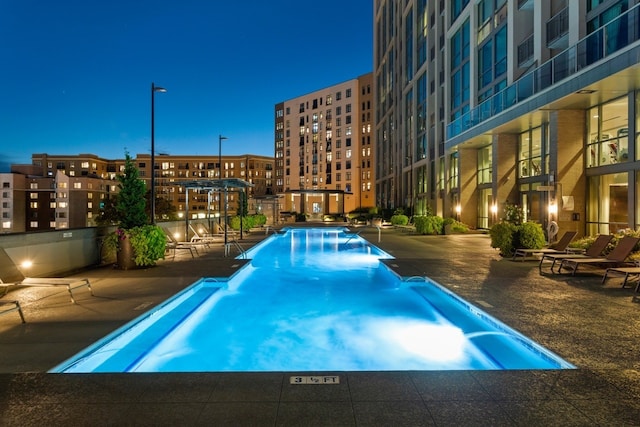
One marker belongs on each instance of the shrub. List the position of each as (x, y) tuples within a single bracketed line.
[(248, 222), (502, 236), (399, 219), (455, 226), (429, 224), (530, 235), (259, 220), (513, 214)]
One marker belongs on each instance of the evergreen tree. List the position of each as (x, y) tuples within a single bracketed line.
[(130, 204)]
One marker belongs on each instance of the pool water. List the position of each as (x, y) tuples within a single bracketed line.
[(313, 299)]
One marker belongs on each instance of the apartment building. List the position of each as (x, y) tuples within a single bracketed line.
[(324, 150), (489, 102), (171, 170), (67, 191)]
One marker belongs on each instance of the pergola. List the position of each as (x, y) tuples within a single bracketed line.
[(223, 185)]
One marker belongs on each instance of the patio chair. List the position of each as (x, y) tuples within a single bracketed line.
[(15, 306), (559, 247), (174, 245), (632, 273), (594, 250), (616, 257), (70, 283), (204, 236)]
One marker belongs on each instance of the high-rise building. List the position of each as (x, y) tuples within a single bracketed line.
[(324, 150), (481, 104)]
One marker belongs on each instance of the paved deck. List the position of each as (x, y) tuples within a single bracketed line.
[(593, 326)]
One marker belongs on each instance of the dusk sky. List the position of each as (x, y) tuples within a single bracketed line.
[(76, 74)]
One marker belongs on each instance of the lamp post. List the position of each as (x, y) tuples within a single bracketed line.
[(154, 89), (220, 139)]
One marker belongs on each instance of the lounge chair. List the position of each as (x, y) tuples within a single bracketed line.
[(205, 237), (616, 257), (593, 251), (174, 245), (70, 283), (557, 248), (627, 272), (15, 306)]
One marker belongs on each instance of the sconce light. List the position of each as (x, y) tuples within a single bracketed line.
[(553, 207), (458, 209), (494, 209), (26, 263)]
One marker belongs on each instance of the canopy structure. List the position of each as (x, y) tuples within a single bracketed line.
[(223, 185)]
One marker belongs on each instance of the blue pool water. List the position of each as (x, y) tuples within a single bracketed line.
[(313, 300)]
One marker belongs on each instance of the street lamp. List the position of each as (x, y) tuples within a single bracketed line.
[(154, 89), (220, 138)]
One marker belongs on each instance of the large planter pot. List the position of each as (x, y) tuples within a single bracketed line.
[(125, 257)]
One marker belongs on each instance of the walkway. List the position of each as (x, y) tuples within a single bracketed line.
[(595, 327)]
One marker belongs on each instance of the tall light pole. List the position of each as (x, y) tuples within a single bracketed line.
[(220, 139), (154, 89)]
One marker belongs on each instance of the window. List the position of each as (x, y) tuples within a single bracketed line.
[(348, 93), (77, 185), (338, 96)]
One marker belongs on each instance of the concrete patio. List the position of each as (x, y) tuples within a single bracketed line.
[(593, 326)]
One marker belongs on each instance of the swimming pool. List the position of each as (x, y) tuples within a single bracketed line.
[(313, 299)]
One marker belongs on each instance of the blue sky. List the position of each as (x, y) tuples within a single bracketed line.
[(76, 74)]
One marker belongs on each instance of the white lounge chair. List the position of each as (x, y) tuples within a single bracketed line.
[(15, 306), (70, 283)]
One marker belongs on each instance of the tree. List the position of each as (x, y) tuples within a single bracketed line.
[(130, 203)]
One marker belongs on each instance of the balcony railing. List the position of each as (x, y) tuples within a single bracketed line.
[(558, 29), (525, 52), (597, 46)]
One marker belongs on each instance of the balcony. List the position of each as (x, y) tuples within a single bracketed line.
[(525, 53), (558, 30), (597, 47)]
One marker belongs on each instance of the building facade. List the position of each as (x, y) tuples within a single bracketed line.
[(60, 192), (486, 103), (324, 150)]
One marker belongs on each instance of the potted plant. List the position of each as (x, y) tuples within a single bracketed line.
[(138, 244)]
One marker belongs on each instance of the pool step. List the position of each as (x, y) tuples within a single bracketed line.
[(130, 352)]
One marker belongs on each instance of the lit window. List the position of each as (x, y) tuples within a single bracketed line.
[(77, 185), (33, 205)]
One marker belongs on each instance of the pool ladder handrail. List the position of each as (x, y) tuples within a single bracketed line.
[(241, 251), (358, 233)]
